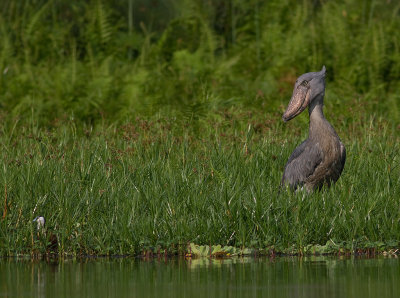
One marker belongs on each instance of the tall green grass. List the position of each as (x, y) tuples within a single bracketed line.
[(161, 183), (131, 126)]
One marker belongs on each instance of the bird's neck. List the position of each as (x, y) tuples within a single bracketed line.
[(318, 122), (315, 110)]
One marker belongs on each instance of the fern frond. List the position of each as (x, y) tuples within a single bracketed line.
[(34, 20), (104, 25)]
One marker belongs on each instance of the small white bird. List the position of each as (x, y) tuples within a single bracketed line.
[(40, 222), (50, 238)]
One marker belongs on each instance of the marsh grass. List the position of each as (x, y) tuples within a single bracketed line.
[(129, 135), (161, 184)]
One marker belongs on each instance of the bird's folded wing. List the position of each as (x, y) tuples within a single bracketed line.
[(302, 163)]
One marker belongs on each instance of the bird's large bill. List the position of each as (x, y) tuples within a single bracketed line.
[(299, 101)]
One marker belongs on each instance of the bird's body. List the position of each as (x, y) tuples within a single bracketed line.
[(320, 159)]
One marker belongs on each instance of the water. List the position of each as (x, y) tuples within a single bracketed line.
[(247, 277)]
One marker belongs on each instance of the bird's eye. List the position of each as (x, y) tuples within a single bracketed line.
[(304, 83)]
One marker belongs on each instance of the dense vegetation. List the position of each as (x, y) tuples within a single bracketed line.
[(138, 124), (118, 59), (156, 184)]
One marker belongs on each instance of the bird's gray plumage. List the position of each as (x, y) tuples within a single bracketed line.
[(299, 168), (320, 159)]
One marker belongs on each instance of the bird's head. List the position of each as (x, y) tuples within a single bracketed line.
[(308, 87)]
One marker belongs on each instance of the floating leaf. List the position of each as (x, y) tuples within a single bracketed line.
[(199, 251), (247, 251)]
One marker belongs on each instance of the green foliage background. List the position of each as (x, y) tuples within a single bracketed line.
[(115, 60)]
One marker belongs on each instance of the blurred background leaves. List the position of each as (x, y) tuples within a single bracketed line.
[(115, 60)]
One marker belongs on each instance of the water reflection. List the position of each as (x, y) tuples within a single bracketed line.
[(247, 277)]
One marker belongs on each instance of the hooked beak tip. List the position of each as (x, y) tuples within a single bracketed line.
[(287, 118)]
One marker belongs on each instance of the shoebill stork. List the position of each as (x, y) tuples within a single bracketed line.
[(320, 159)]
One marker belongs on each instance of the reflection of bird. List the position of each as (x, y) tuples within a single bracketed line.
[(320, 159), (43, 234)]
